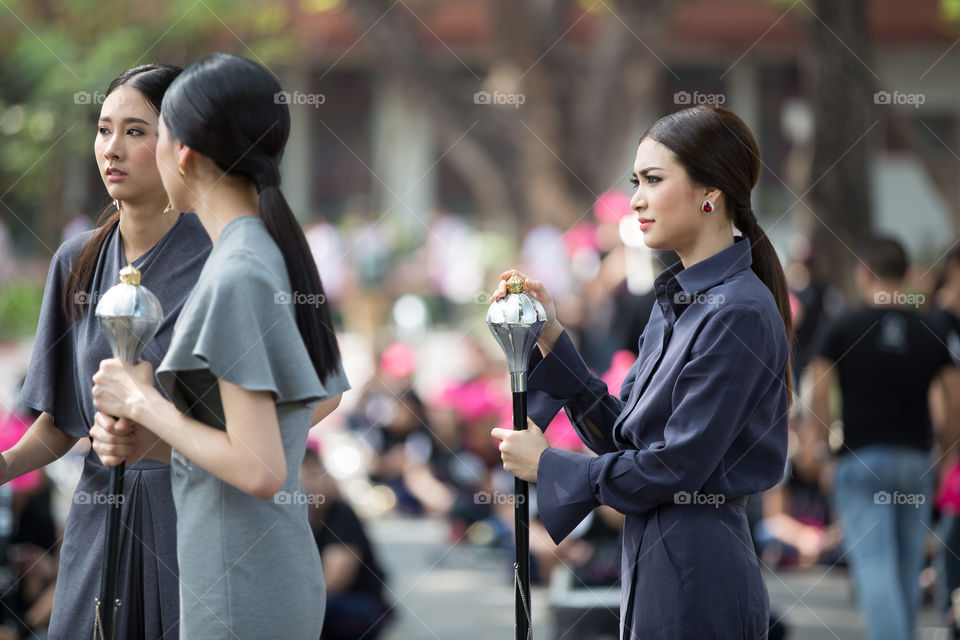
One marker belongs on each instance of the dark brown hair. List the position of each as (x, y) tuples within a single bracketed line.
[(717, 149), (152, 81), (885, 257)]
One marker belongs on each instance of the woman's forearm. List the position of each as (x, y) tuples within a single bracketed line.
[(238, 461), (40, 445)]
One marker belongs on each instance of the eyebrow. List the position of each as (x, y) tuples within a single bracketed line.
[(646, 170), (140, 120)]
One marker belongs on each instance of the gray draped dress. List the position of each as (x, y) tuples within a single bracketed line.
[(66, 354), (249, 568)]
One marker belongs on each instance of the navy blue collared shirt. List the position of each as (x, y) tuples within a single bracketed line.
[(703, 409)]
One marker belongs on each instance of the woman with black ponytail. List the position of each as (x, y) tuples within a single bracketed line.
[(701, 419), (169, 249), (253, 364)]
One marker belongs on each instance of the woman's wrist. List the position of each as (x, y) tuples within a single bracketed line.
[(549, 337), (5, 459), (146, 408), (540, 461)]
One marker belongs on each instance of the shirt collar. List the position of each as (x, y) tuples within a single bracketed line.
[(676, 287)]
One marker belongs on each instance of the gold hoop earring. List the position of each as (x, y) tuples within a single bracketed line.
[(183, 174), (168, 208), (117, 205)]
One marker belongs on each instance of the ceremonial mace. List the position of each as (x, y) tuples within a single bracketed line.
[(129, 315), (516, 321)]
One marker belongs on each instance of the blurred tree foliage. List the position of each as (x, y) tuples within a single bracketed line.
[(19, 309), (57, 58)]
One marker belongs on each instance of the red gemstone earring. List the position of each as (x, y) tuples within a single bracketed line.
[(707, 207)]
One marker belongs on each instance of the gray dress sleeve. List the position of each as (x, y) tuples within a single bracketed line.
[(50, 385), (238, 329)]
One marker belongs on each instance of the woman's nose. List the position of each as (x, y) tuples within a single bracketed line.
[(114, 148)]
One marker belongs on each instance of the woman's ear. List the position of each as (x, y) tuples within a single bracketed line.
[(185, 156), (712, 194)]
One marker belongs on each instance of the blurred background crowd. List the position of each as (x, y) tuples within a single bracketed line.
[(437, 143)]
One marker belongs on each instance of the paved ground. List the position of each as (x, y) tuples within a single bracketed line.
[(454, 593)]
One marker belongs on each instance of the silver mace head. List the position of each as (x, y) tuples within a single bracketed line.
[(129, 315), (516, 321)]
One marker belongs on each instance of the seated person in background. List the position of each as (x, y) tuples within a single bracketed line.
[(29, 544), (586, 604), (797, 528), (592, 550), (391, 418), (356, 607), (462, 414)]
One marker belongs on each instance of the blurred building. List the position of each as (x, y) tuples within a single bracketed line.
[(753, 53), (361, 131)]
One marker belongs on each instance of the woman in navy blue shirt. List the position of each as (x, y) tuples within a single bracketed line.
[(701, 419)]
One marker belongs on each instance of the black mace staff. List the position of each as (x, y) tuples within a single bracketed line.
[(516, 321), (129, 316)]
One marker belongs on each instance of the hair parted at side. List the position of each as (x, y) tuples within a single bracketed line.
[(227, 108), (151, 80), (717, 149)]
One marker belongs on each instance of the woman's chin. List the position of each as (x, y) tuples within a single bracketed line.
[(117, 192), (652, 241)]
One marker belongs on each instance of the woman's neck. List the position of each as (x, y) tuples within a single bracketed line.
[(142, 224), (708, 244), (223, 202)]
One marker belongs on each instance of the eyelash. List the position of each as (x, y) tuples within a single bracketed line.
[(101, 131), (650, 180)]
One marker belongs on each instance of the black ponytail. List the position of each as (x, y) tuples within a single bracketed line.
[(315, 323), (766, 264), (232, 110)]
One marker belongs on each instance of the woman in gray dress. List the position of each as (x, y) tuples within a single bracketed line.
[(169, 250), (253, 364)]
